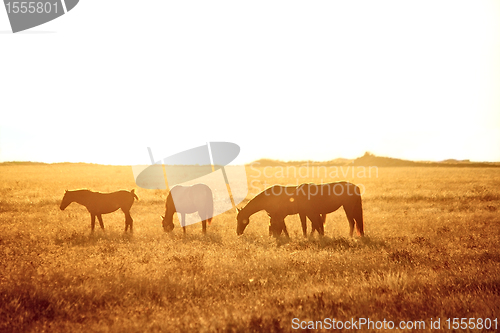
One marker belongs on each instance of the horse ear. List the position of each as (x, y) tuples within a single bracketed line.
[(66, 191), (238, 210)]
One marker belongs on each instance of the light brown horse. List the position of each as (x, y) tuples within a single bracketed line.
[(98, 203), (187, 200)]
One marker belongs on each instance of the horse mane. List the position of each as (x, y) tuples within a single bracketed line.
[(88, 190), (80, 190)]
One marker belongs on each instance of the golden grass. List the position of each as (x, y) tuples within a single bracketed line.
[(431, 251)]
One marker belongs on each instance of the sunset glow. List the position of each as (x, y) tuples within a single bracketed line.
[(283, 80)]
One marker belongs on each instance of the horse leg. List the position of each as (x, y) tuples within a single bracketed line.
[(350, 218), (357, 212), (323, 221), (129, 222), (183, 222), (351, 225), (204, 226), (204, 216), (303, 220), (277, 226), (317, 223), (313, 227), (318, 226), (284, 229), (92, 222), (99, 217), (273, 227)]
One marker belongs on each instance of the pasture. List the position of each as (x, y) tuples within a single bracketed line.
[(431, 251)]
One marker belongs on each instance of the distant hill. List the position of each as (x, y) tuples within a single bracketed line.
[(369, 159), (22, 163), (271, 162)]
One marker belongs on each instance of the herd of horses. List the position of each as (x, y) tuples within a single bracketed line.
[(311, 201)]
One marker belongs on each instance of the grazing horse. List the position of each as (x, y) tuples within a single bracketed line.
[(316, 200), (279, 202), (188, 200), (98, 203)]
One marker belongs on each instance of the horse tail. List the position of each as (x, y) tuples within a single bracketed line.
[(358, 216), (210, 210), (134, 195)]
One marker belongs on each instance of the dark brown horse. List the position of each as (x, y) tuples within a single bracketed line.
[(316, 200), (279, 202), (98, 203), (187, 200)]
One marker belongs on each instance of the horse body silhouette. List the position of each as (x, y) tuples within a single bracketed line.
[(275, 200), (316, 200), (278, 201), (98, 203), (310, 200), (188, 200)]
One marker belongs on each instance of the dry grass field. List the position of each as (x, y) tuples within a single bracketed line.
[(431, 252)]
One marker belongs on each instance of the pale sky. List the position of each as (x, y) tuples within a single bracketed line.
[(289, 80)]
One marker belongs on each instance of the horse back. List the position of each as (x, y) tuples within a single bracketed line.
[(326, 198), (190, 199), (279, 200), (104, 203)]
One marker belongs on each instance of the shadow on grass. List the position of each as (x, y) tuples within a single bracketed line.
[(208, 238), (340, 243), (81, 238), (197, 236), (316, 242)]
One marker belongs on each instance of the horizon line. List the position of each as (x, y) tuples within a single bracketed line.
[(277, 161)]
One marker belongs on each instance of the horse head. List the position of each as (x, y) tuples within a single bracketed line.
[(66, 200), (167, 222), (242, 222)]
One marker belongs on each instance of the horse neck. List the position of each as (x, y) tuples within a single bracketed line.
[(169, 209), (169, 214), (253, 206)]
